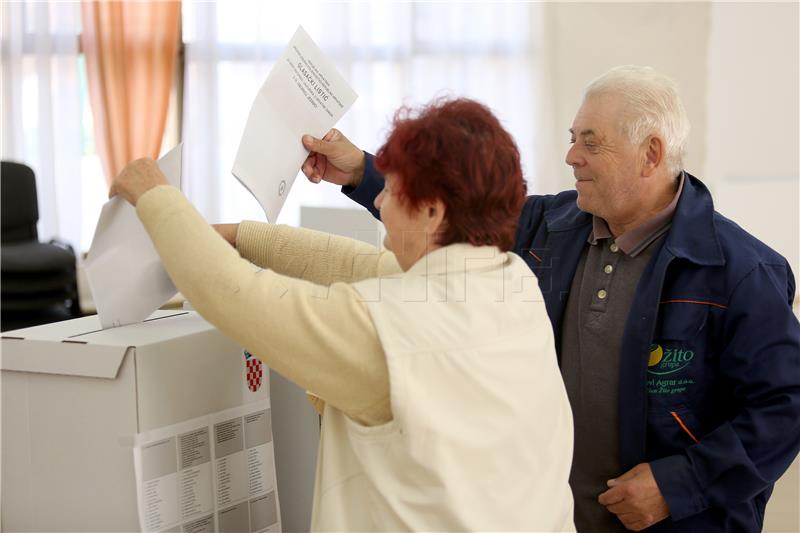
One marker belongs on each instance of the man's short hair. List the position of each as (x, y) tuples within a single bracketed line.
[(652, 105)]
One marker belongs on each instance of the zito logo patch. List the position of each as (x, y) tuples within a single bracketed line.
[(668, 361)]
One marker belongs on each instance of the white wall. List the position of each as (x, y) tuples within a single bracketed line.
[(753, 146)]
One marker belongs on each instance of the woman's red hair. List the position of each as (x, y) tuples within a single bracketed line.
[(457, 151)]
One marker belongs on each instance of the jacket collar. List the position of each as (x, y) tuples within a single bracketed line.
[(693, 235), (566, 217)]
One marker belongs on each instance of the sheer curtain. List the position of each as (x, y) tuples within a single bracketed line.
[(130, 49), (41, 114), (392, 53)]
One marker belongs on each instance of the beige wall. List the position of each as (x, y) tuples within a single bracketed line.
[(753, 108), (583, 40), (738, 68)]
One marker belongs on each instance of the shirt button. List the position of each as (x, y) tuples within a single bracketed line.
[(608, 269), (602, 294), (614, 248)]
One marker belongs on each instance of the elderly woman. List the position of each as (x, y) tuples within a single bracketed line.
[(433, 359)]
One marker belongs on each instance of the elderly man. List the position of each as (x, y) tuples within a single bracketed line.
[(673, 326)]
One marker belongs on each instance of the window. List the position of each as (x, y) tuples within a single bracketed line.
[(391, 53), (41, 107)]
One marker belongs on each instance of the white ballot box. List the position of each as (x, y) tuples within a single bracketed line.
[(77, 398)]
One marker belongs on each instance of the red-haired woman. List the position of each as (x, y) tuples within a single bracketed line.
[(432, 360)]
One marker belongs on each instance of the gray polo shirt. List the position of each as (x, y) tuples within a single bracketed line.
[(600, 298)]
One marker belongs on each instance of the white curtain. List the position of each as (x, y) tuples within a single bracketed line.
[(392, 53), (41, 115)]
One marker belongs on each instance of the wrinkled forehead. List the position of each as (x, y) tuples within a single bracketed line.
[(599, 115)]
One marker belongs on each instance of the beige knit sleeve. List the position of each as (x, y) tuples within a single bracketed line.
[(320, 337), (312, 255)]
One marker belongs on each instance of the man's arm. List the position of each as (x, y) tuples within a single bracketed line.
[(336, 160), (369, 186), (760, 363)]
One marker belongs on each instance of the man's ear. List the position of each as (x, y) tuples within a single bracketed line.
[(653, 154)]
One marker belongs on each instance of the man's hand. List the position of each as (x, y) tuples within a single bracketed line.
[(334, 159), (635, 498), (137, 178), (228, 232)]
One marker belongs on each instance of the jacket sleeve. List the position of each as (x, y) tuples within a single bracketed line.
[(530, 219), (760, 368), (370, 187)]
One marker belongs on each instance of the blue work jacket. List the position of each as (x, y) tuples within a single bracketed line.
[(709, 373)]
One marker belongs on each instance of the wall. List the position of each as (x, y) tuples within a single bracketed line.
[(753, 146)]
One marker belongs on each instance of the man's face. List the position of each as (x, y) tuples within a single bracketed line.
[(605, 163)]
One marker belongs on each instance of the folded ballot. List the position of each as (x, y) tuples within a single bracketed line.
[(302, 94), (125, 274)]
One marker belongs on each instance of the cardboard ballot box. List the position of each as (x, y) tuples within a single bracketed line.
[(73, 397)]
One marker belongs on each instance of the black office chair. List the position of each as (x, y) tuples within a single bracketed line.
[(39, 280)]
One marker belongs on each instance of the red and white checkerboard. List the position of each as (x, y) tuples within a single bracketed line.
[(255, 372)]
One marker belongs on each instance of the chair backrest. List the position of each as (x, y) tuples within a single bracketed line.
[(20, 210)]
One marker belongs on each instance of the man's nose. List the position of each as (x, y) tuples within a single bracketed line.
[(572, 158)]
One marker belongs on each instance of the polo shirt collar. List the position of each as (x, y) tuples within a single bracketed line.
[(633, 241)]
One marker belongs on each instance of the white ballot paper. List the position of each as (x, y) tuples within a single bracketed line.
[(213, 473), (125, 274), (302, 94)]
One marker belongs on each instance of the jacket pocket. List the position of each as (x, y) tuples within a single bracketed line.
[(680, 321), (671, 430)]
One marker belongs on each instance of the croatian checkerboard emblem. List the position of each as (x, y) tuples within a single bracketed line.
[(255, 371)]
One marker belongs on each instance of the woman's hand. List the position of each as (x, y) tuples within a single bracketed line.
[(228, 232), (137, 178)]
